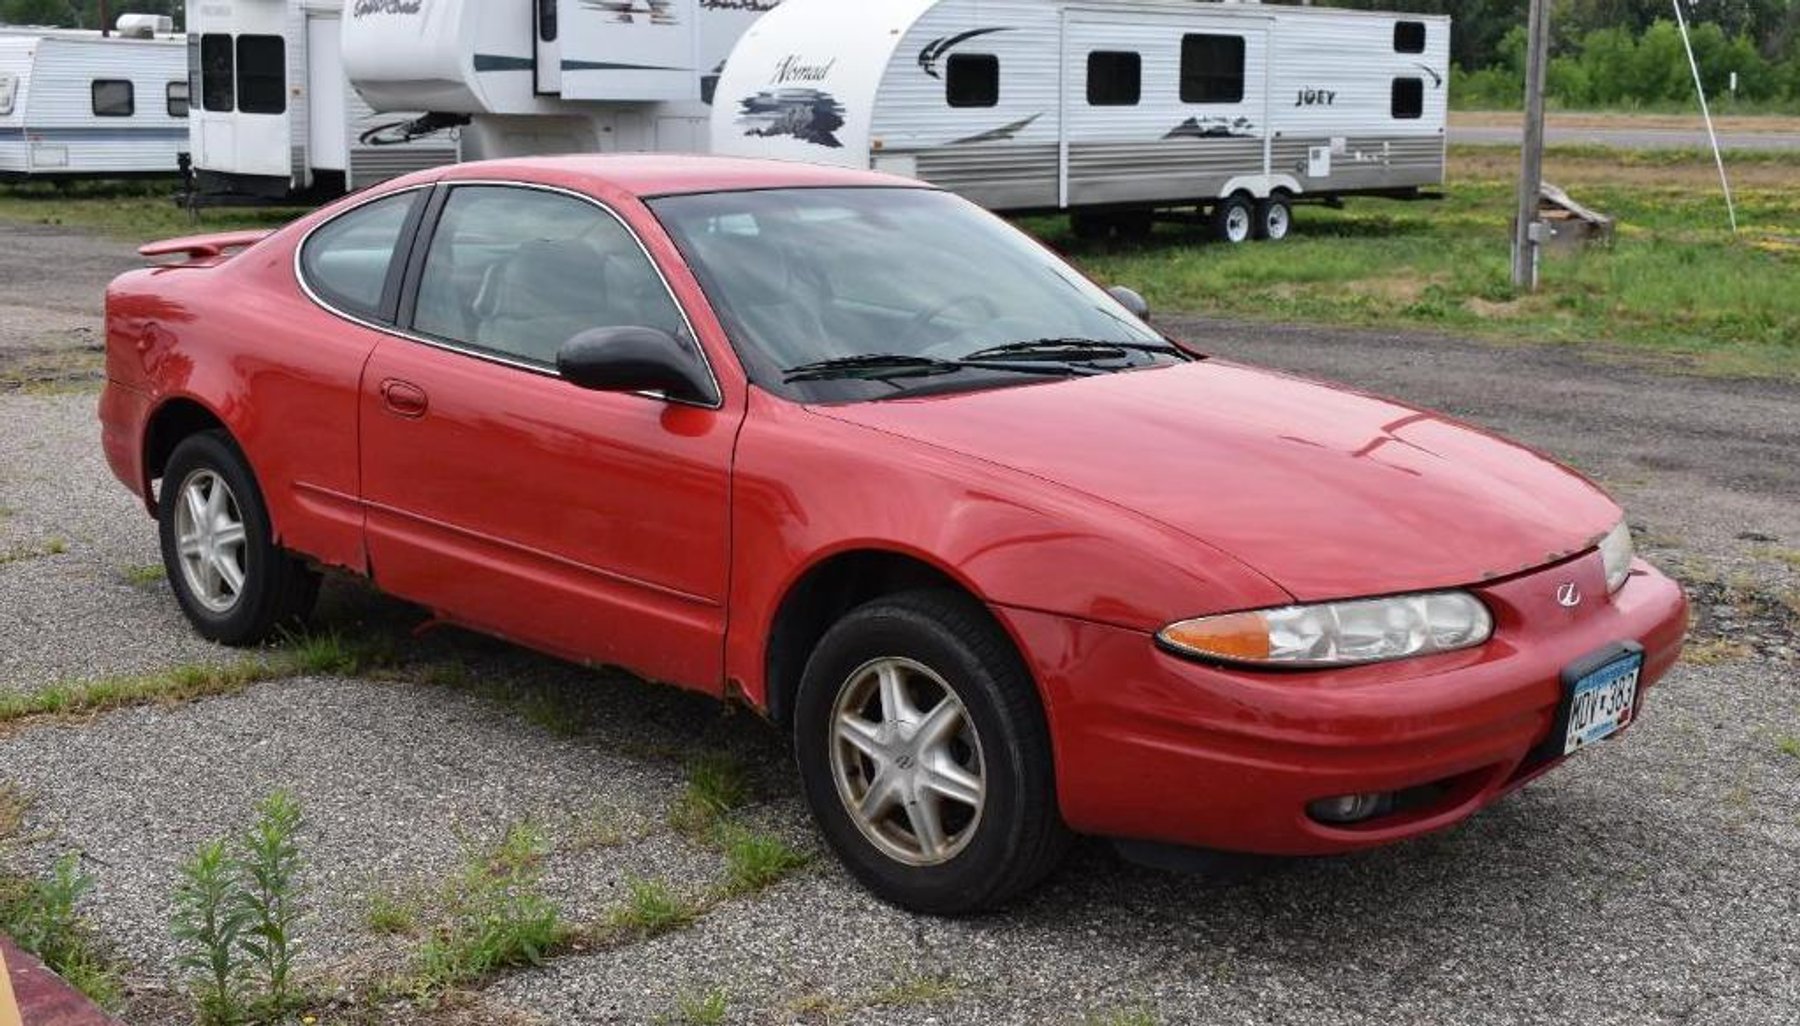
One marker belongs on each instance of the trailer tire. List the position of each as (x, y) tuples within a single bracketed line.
[(1274, 218), (1234, 220)]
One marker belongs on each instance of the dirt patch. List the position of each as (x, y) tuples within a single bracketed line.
[(1737, 123), (1485, 163), (73, 362)]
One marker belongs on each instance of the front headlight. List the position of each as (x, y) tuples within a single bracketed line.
[(1337, 633), (1616, 551)]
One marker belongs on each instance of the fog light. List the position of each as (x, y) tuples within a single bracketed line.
[(1351, 808)]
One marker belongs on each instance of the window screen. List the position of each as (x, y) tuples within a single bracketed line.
[(1409, 97), (178, 99), (1212, 69), (114, 98), (1115, 78), (972, 80), (1409, 37), (347, 261), (262, 74), (218, 73)]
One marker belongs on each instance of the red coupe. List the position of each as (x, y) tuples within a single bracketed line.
[(1007, 562)]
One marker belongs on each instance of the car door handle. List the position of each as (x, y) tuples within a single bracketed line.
[(404, 398)]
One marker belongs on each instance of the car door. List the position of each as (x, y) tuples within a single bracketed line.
[(590, 524)]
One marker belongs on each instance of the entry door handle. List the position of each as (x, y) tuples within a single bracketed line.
[(404, 398)]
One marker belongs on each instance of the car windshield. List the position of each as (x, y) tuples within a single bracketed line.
[(845, 294)]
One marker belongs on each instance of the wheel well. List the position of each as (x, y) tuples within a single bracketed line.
[(820, 598), (174, 421)]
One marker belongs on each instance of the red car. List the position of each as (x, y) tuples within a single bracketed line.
[(1007, 562)]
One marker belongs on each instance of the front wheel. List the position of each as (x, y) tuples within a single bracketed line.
[(925, 756), (1234, 220), (235, 585)]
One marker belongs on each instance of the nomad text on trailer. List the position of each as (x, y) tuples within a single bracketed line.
[(274, 115), (75, 104), (1111, 109)]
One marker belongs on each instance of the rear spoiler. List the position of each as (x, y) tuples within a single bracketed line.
[(204, 247)]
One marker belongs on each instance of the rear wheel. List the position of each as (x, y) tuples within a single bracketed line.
[(1233, 220), (1274, 218), (925, 757), (234, 584)]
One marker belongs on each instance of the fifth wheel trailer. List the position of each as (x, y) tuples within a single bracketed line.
[(274, 116), (1110, 109)]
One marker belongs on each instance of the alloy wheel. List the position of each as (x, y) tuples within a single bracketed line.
[(211, 540), (907, 761)]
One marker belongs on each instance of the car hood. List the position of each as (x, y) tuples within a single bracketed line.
[(1329, 492)]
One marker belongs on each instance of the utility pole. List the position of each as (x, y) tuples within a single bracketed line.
[(1526, 232)]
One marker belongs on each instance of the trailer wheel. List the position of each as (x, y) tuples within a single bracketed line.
[(1233, 219), (1090, 227), (1274, 218)]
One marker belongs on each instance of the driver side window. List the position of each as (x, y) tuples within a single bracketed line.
[(517, 272)]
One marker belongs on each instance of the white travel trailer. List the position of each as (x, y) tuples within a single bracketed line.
[(550, 76), (1113, 109), (76, 104), (274, 116)]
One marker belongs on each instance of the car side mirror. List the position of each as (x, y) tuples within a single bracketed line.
[(635, 360), (1131, 300)]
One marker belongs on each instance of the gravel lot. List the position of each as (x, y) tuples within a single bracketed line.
[(1649, 881)]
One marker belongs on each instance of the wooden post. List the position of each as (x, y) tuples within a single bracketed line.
[(1531, 165), (105, 20)]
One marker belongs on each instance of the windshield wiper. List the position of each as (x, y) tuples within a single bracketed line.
[(898, 365), (1070, 349)]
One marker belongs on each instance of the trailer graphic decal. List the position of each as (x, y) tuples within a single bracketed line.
[(364, 8), (1215, 127), (634, 12), (1437, 80), (1001, 134), (928, 57), (810, 115), (759, 6)]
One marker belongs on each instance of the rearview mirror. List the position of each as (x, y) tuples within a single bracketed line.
[(1130, 300), (635, 360)]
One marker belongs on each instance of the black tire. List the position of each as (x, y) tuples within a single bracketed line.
[(278, 590), (1087, 226), (1136, 226), (1274, 218), (1018, 837), (1234, 220)]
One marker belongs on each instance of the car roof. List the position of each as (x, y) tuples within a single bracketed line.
[(662, 174)]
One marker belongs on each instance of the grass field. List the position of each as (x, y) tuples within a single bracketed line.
[(1676, 287)]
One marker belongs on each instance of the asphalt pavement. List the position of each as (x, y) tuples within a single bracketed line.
[(1649, 881)]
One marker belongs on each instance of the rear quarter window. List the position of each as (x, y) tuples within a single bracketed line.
[(348, 262)]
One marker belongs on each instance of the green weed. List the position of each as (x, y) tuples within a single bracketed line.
[(495, 915), (144, 574), (700, 1009), (754, 861), (652, 908), (41, 916)]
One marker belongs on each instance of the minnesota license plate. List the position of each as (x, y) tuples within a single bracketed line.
[(1602, 700)]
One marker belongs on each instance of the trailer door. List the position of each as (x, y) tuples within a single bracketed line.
[(548, 61), (1163, 108), (327, 130)]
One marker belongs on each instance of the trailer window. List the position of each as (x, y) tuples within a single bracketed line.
[(1115, 78), (1409, 98), (114, 98), (1212, 69), (9, 88), (218, 73), (262, 74), (546, 14), (1409, 37), (179, 99), (972, 80)]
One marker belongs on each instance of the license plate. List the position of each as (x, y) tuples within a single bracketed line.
[(1602, 700)]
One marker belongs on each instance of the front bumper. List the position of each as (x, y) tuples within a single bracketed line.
[(1150, 746)]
